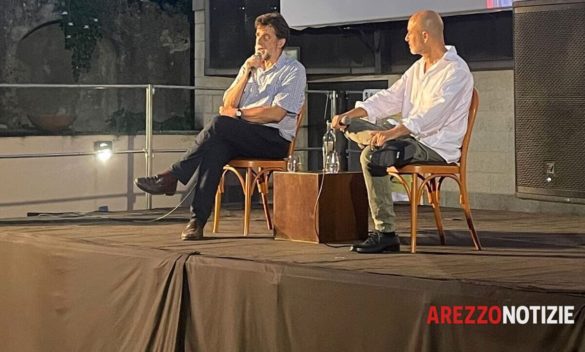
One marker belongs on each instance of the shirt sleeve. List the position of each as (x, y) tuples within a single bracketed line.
[(291, 93), (236, 80), (443, 101), (386, 102)]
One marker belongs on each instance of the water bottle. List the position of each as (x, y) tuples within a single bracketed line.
[(330, 163)]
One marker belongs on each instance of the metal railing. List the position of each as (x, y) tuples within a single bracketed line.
[(331, 96), (148, 150)]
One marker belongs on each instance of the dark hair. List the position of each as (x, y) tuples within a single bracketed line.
[(277, 22)]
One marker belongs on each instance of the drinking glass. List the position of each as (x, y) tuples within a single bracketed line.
[(293, 163)]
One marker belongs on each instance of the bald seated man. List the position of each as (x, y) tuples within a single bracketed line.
[(433, 97)]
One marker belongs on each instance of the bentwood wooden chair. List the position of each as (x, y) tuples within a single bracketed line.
[(431, 177), (257, 173)]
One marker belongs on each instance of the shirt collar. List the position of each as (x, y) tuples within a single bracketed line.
[(282, 59), (451, 53)]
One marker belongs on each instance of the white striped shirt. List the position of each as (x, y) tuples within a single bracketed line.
[(281, 85)]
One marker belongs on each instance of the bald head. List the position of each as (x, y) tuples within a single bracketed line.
[(430, 22), (425, 34)]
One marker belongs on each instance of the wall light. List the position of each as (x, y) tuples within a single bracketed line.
[(103, 150)]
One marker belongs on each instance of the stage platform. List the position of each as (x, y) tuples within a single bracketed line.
[(116, 282)]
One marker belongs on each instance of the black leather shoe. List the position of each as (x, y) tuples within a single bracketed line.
[(378, 242), (366, 242), (164, 183), (193, 231)]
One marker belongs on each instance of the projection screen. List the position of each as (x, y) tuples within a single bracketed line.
[(301, 14)]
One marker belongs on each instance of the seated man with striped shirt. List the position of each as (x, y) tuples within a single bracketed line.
[(257, 120)]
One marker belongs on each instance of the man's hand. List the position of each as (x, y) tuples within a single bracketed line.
[(380, 137), (340, 122), (227, 111), (336, 122), (253, 62)]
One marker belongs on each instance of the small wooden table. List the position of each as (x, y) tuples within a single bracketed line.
[(340, 214)]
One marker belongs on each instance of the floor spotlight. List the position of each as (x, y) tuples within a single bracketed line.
[(103, 150)]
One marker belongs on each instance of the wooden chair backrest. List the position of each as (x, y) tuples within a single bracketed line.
[(300, 116), (470, 124)]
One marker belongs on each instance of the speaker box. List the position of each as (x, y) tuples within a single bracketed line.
[(549, 99)]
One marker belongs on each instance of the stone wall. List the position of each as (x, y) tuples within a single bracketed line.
[(142, 42)]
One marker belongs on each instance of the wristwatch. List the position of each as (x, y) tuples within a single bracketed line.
[(239, 113)]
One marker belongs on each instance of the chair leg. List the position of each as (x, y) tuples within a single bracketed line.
[(434, 188), (472, 231), (217, 206), (263, 190), (248, 189), (464, 200), (414, 199)]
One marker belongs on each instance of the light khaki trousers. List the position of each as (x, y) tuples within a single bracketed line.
[(380, 188)]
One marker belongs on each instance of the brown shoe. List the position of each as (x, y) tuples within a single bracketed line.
[(193, 231), (165, 183)]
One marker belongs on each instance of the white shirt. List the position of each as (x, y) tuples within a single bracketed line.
[(434, 104)]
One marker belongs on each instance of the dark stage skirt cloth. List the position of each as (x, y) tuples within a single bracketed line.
[(127, 288)]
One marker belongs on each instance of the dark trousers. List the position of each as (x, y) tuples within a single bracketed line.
[(221, 140)]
